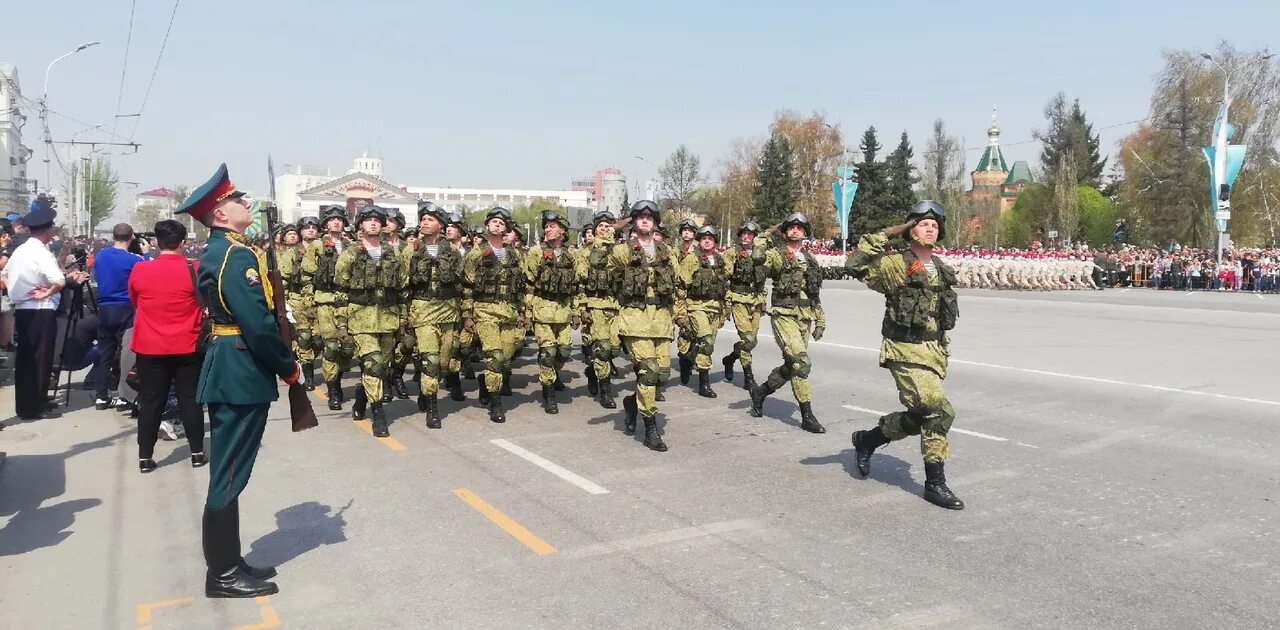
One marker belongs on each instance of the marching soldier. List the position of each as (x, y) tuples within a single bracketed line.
[(920, 307), (371, 273), (433, 267), (493, 296), (551, 281), (459, 236), (301, 299), (319, 263), (796, 304), (703, 283), (403, 346), (599, 282), (745, 263), (238, 380), (646, 294)]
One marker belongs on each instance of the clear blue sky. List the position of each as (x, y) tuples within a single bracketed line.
[(531, 94)]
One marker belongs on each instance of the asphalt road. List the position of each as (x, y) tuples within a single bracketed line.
[(1116, 451)]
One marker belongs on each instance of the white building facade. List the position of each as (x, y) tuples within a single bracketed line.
[(15, 188), (291, 183)]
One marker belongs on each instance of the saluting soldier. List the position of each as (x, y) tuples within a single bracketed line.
[(433, 266), (238, 379), (319, 263), (745, 263), (371, 273), (703, 283), (493, 306), (551, 281), (920, 307), (796, 306), (599, 283), (403, 345), (646, 295)]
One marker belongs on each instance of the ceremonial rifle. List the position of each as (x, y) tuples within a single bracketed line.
[(300, 411)]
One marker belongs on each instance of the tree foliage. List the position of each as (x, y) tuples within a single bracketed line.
[(1038, 210), (679, 178), (869, 213), (1070, 133), (816, 150), (776, 191), (103, 187), (900, 176)]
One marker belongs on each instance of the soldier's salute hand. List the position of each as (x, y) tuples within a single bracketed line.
[(899, 230)]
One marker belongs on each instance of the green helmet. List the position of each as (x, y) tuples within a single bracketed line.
[(551, 216), (498, 212), (334, 212), (748, 225), (643, 207), (426, 207), (688, 224), (394, 214), (454, 218), (309, 220), (707, 230), (601, 217), (930, 209), (796, 218), (372, 212)]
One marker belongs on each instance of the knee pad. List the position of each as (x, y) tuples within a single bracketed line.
[(602, 350), (348, 348), (788, 367), (374, 364), (497, 361), (803, 364), (304, 338), (332, 350), (648, 373), (749, 342), (706, 345), (430, 364), (563, 354), (547, 356)]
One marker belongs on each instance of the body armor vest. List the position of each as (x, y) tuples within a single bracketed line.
[(708, 280), (556, 278), (326, 266), (748, 272), (374, 282), (794, 280), (601, 279), (435, 277), (633, 291), (497, 280), (909, 309)]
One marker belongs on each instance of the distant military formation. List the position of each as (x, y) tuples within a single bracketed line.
[(1042, 272)]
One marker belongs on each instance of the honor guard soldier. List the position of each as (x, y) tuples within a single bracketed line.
[(703, 283), (599, 282), (238, 380), (646, 294), (404, 346), (796, 305), (433, 266), (920, 307), (319, 263), (551, 281), (371, 273), (747, 274), (493, 303)]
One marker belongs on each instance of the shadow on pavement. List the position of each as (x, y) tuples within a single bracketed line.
[(299, 529), (884, 469)]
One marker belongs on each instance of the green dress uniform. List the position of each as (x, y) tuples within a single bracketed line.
[(746, 300), (795, 310), (703, 283), (598, 281), (551, 281), (920, 307), (434, 282)]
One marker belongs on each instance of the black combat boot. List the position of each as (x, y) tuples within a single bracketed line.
[(593, 383), (397, 385), (728, 361), (606, 394), (559, 384), (453, 383), (748, 378), (379, 420), (935, 487), (386, 390), (468, 371), (658, 395), (422, 402), (227, 574), (864, 444), (686, 370), (506, 383), (484, 391), (808, 421), (335, 395), (309, 376), (549, 404), (629, 410), (651, 437), (496, 412), (613, 370), (433, 411), (704, 384), (342, 395), (358, 405), (758, 394)]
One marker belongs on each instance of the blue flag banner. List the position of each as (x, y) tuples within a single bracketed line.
[(842, 192)]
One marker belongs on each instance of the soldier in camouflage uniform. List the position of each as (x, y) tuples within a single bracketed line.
[(646, 275), (920, 307), (404, 346), (455, 232), (493, 305), (599, 282), (551, 282), (319, 263), (747, 275), (433, 267), (372, 274), (701, 310), (301, 299), (685, 339), (796, 304)]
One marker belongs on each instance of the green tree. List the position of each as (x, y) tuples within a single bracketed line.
[(776, 191), (103, 187), (679, 178), (1070, 133), (868, 213), (530, 216), (899, 193), (1026, 220), (1097, 216)]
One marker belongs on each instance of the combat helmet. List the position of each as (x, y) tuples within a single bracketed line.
[(427, 207), (335, 211), (748, 225), (645, 206), (796, 218), (371, 211), (498, 212), (707, 230), (551, 216), (930, 209)]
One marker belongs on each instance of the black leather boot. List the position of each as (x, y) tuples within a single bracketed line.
[(728, 361), (453, 383), (226, 574), (433, 412), (386, 390), (686, 370), (629, 410), (808, 421), (468, 371), (358, 405), (864, 444), (748, 378), (309, 376), (704, 384), (422, 402), (593, 383), (484, 391), (758, 394), (506, 383), (549, 404), (342, 395), (613, 370), (559, 384), (606, 394), (651, 437), (262, 573), (496, 412), (398, 387), (935, 487), (335, 395), (379, 420)]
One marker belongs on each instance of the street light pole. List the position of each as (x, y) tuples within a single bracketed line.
[(44, 105)]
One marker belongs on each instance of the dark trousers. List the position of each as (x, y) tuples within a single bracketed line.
[(35, 331), (113, 321), (235, 433), (156, 374)]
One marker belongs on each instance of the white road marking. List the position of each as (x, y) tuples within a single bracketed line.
[(551, 467), (657, 539), (981, 435), (1126, 290), (1078, 377), (1026, 445), (985, 436)]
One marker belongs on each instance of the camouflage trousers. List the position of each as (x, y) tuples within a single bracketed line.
[(435, 345), (746, 319), (339, 347), (929, 413), (602, 338), (554, 349), (792, 335), (698, 340), (374, 350), (305, 339), (499, 341), (466, 342), (651, 356), (404, 347)]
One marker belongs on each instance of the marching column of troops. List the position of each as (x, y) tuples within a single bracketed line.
[(369, 297)]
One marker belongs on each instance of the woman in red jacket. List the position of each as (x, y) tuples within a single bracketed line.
[(166, 328)]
